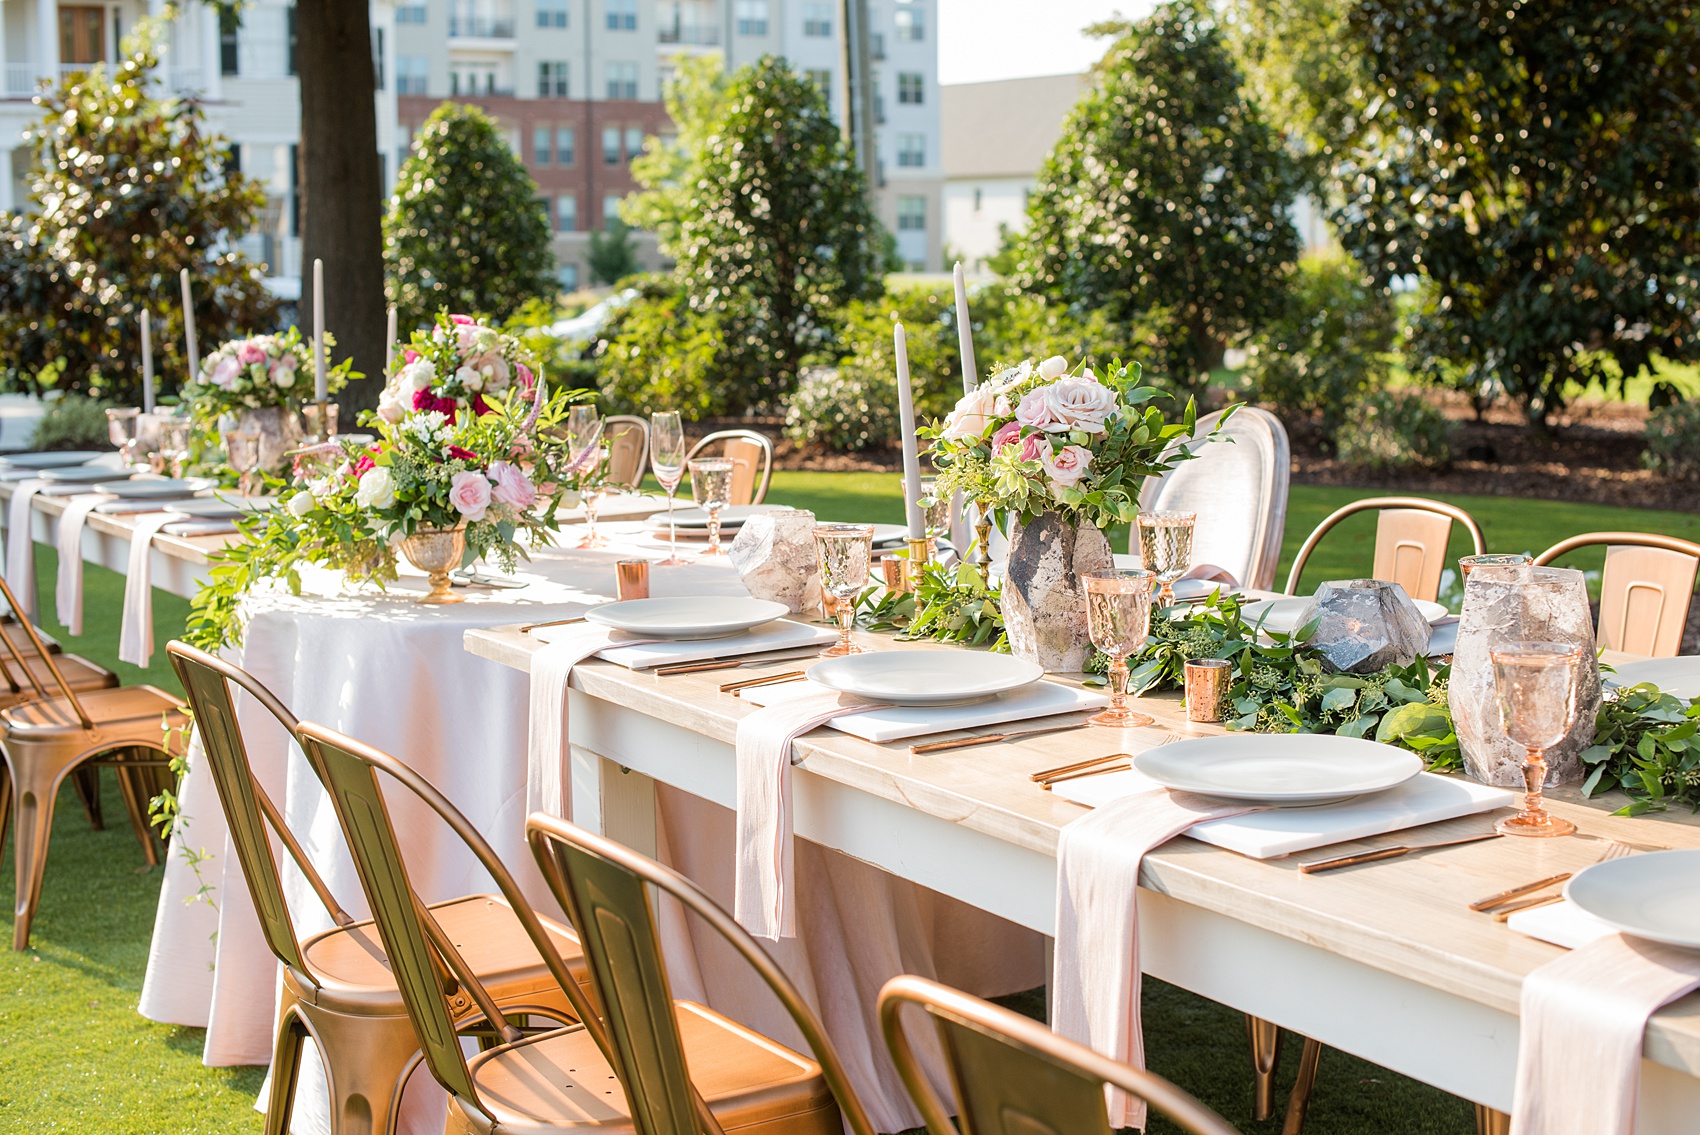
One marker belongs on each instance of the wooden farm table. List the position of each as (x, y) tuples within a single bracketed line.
[(1384, 961)]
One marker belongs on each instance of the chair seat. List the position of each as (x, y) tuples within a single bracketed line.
[(118, 708), (19, 638), (354, 976), (80, 674), (753, 1085)]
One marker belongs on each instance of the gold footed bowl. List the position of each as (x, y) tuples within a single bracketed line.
[(436, 552)]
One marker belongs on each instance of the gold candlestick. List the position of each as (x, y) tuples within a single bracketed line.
[(920, 555), (982, 535)]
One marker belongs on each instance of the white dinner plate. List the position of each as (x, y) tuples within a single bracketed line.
[(731, 517), (1653, 895), (80, 474), (925, 677), (163, 488), (1279, 768), (687, 616), (52, 459), (1282, 615), (1679, 676)]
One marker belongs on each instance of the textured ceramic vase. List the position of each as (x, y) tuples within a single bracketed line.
[(1511, 604), (279, 431), (436, 552), (1044, 601)]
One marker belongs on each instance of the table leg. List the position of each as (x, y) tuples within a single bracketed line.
[(1265, 1038), (1491, 1122), (612, 800)]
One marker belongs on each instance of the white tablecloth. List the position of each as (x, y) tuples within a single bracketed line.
[(392, 673)]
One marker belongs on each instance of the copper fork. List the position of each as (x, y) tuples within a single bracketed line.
[(1513, 900)]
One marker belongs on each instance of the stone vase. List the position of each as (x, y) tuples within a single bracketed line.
[(279, 430), (774, 553), (1365, 625), (1511, 604), (1044, 601)]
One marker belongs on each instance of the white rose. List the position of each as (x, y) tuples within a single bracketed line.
[(1052, 368), (1080, 404), (301, 503), (390, 408), (470, 379), (971, 416), (377, 488)]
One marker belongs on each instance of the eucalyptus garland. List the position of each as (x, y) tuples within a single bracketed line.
[(956, 604)]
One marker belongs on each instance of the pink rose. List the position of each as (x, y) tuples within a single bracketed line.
[(1066, 468), (1035, 447), (224, 374), (410, 355), (469, 492), (1080, 403), (250, 353), (463, 320), (512, 486), (968, 421), (1035, 411), (1008, 434), (526, 378)]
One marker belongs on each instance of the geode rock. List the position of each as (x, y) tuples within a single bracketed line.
[(1365, 625), (1044, 601), (1513, 604), (774, 553)]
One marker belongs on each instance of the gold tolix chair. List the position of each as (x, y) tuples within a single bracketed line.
[(1645, 589), (1012, 1074), (1411, 534), (651, 1065), (338, 987), (627, 436)]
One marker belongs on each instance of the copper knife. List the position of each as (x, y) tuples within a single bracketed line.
[(990, 738), (1389, 853), (1519, 892)]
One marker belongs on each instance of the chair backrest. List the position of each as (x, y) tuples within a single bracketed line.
[(628, 448), (1237, 484), (20, 660), (602, 886), (1645, 589), (749, 452), (1012, 1074), (1411, 534), (424, 961), (248, 811)]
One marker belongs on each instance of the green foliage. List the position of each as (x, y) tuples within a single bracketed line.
[(956, 604), (1541, 165), (127, 189), (1394, 429), (697, 102), (845, 409), (465, 231), (72, 422), (1673, 440), (1645, 744), (1301, 68), (776, 234), (1168, 192), (1327, 348), (612, 255), (1011, 325), (658, 353)]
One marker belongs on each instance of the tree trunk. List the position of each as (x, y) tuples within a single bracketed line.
[(342, 187)]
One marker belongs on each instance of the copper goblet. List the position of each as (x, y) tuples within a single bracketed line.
[(1165, 547), (1536, 685), (1118, 617), (846, 552)]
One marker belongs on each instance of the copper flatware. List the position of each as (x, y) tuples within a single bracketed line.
[(1063, 770), (990, 738), (529, 627), (1615, 849), (1389, 853), (726, 663), (733, 688), (1119, 766), (1512, 908)]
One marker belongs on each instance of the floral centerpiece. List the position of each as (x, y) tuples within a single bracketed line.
[(1062, 451), (262, 381), (473, 472)]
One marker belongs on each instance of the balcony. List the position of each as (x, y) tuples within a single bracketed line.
[(20, 80), (695, 35), (468, 26)]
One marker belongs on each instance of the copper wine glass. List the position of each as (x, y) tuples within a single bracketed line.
[(1118, 617), (1536, 685), (845, 551)]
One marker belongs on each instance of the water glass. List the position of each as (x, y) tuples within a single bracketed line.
[(591, 494), (1536, 687), (711, 486), (1118, 617), (1468, 564), (845, 551), (585, 453), (242, 449), (174, 445), (122, 428), (667, 459), (1165, 547), (934, 508)]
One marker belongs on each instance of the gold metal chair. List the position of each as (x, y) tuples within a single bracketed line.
[(1645, 589), (1012, 1074), (338, 987), (628, 448), (62, 729), (1411, 534), (747, 450), (652, 1065)]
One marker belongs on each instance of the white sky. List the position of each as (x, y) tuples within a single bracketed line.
[(981, 40)]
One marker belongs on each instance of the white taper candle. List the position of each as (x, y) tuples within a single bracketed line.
[(911, 443), (189, 325), (965, 333), (320, 391), (389, 342), (147, 364)]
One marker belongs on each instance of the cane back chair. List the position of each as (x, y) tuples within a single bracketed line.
[(338, 987), (1411, 534), (628, 449), (1645, 589), (747, 450), (1013, 1075)]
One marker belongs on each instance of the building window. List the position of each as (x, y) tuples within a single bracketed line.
[(622, 80), (410, 13), (229, 21), (622, 15), (473, 79), (566, 213), (977, 199), (911, 23), (911, 86), (411, 73), (821, 79), (541, 149), (378, 58), (752, 17), (610, 211), (912, 150), (566, 148), (817, 18), (552, 13), (634, 142), (610, 145), (568, 275), (552, 80), (911, 214)]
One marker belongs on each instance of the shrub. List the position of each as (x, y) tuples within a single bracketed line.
[(72, 422), (843, 408), (1391, 429), (1673, 440), (656, 353), (1329, 346)]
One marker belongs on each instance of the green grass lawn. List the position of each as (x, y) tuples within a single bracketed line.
[(75, 1055)]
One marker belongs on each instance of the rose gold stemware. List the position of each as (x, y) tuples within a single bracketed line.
[(1118, 616), (1536, 685), (1165, 547), (845, 552)]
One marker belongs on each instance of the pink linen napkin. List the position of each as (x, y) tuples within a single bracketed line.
[(1584, 1017), (548, 776), (20, 547), (68, 595), (135, 635), (764, 892), (1095, 983), (1213, 573)]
